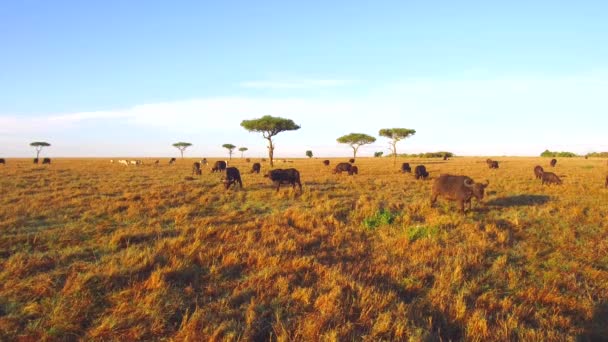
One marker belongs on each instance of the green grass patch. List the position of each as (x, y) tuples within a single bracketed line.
[(421, 232), (382, 217)]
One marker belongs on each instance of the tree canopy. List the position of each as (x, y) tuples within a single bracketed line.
[(230, 148), (309, 154), (356, 140), (243, 150), (39, 145), (269, 126), (396, 135), (182, 146)]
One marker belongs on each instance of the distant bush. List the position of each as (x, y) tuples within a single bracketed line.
[(597, 155), (378, 154), (550, 154), (439, 154)]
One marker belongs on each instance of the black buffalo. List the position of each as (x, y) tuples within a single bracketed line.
[(351, 160), (196, 169), (446, 157), (285, 176), (172, 161), (550, 178), (354, 170), (256, 168), (405, 167), (35, 160), (458, 188), (553, 162), (46, 161), (493, 164), (420, 172), (248, 160), (2, 161), (233, 176), (219, 166), (326, 162), (344, 167), (538, 172)]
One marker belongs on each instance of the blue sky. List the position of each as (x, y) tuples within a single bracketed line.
[(128, 78)]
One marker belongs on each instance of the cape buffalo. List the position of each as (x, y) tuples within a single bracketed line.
[(248, 160), (286, 176), (550, 178), (233, 176), (538, 172), (354, 170), (553, 162), (458, 188), (405, 167), (196, 169), (326, 162), (344, 167), (219, 166), (446, 157), (46, 161), (172, 161), (493, 164), (2, 161), (351, 160), (256, 168), (35, 160), (420, 172)]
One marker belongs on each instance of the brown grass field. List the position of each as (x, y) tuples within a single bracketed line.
[(96, 251)]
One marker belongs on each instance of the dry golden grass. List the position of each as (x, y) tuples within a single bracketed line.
[(98, 251)]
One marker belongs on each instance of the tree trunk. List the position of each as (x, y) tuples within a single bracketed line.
[(394, 154), (182, 152), (270, 152), (355, 152), (37, 152)]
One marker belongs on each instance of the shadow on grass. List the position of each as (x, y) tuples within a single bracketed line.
[(597, 328), (519, 201)]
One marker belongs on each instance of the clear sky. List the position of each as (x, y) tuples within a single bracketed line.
[(129, 78)]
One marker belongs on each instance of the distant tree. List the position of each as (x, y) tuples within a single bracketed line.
[(230, 149), (243, 150), (182, 146), (356, 140), (378, 154), (269, 126), (309, 154), (396, 135), (39, 145)]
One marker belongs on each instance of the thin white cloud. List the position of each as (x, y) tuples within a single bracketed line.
[(296, 84)]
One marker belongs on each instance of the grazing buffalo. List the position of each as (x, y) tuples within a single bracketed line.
[(405, 167), (550, 178), (354, 170), (344, 167), (2, 161), (326, 162), (553, 162), (172, 161), (196, 169), (493, 164), (420, 172), (351, 160), (219, 166), (35, 160), (248, 160), (256, 168), (457, 188), (538, 172), (446, 158), (285, 176), (46, 161), (233, 176)]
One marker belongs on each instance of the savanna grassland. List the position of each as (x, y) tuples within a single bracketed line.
[(97, 251)]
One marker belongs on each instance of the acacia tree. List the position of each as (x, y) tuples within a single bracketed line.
[(39, 145), (309, 154), (396, 135), (230, 149), (182, 146), (356, 140), (243, 150), (269, 126)]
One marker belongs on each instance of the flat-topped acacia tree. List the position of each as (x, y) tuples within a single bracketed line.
[(230, 149), (243, 150), (182, 146), (356, 140), (269, 126), (396, 135), (39, 145)]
